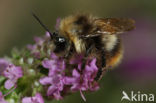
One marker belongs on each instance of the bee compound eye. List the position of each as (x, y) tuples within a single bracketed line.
[(60, 43), (61, 39)]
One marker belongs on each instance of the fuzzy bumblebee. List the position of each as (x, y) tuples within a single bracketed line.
[(93, 36)]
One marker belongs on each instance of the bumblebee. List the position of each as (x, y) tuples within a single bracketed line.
[(91, 36)]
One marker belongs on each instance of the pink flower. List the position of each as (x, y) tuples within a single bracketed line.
[(57, 23), (77, 60), (2, 98), (13, 73), (31, 47), (47, 35), (3, 65), (56, 85), (55, 77), (84, 81), (55, 65), (39, 40), (89, 75), (36, 99)]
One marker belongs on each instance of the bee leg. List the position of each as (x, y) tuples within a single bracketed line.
[(103, 59), (103, 65), (89, 50), (86, 55), (69, 52)]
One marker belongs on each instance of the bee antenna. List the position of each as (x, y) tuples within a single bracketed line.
[(45, 27)]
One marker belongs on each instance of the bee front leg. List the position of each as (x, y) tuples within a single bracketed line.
[(86, 55), (69, 51), (89, 50), (103, 66)]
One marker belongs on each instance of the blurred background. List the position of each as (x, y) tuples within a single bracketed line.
[(137, 72)]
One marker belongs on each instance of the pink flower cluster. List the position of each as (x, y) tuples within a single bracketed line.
[(38, 44), (64, 76), (36, 99), (55, 77), (2, 98), (10, 71), (13, 73), (82, 79)]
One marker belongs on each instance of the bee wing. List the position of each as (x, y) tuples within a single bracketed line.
[(111, 26)]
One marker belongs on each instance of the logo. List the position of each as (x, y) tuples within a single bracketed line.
[(138, 96)]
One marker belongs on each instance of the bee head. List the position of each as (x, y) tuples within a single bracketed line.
[(60, 42)]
